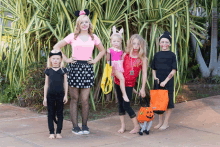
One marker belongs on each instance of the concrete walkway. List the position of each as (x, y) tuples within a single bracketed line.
[(194, 123)]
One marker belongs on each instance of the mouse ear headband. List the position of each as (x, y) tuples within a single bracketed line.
[(83, 12), (119, 33)]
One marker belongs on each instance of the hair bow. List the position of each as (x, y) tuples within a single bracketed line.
[(83, 12)]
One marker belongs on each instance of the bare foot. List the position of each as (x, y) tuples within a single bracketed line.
[(52, 136), (122, 130), (163, 127), (135, 130), (59, 136), (158, 126)]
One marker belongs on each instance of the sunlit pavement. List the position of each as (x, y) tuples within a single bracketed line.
[(194, 123)]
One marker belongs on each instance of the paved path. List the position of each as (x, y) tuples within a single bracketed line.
[(194, 123)]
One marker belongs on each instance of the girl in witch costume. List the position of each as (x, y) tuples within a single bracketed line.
[(164, 68), (80, 68), (55, 91), (134, 60)]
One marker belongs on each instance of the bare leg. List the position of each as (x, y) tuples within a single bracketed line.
[(121, 78), (160, 122), (74, 94), (136, 126), (166, 120), (84, 96), (52, 136), (122, 129)]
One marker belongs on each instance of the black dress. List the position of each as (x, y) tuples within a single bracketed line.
[(55, 95), (163, 62)]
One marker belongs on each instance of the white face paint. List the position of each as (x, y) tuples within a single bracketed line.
[(136, 45), (164, 44)]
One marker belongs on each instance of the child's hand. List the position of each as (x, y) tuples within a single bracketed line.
[(45, 102), (158, 81), (162, 84), (71, 60), (126, 99), (91, 61), (135, 92), (65, 100), (142, 93)]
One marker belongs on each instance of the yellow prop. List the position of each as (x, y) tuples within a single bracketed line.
[(106, 83)]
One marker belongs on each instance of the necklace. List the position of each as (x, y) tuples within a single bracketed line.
[(55, 67), (132, 71)]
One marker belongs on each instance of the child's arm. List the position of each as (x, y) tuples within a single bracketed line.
[(45, 90), (144, 77), (108, 55), (60, 45), (154, 75), (65, 84), (172, 73), (135, 91), (123, 56)]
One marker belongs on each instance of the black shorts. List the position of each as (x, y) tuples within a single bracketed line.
[(170, 103), (80, 74)]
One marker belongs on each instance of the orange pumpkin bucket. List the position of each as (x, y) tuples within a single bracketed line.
[(159, 100), (145, 113)]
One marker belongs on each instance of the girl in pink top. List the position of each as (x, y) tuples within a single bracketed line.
[(116, 58), (80, 68)]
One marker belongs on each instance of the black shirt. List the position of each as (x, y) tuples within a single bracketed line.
[(163, 63), (56, 79)]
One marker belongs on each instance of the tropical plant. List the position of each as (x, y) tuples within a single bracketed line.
[(38, 24)]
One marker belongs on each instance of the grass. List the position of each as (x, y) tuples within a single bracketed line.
[(199, 95)]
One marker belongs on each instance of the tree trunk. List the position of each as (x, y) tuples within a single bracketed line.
[(200, 60), (214, 41)]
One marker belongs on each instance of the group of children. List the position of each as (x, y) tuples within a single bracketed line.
[(126, 68)]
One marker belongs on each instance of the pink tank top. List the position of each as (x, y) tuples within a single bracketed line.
[(115, 55)]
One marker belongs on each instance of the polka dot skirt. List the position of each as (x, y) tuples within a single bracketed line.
[(80, 74)]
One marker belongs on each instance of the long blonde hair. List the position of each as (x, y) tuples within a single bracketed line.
[(143, 45), (77, 27), (49, 63)]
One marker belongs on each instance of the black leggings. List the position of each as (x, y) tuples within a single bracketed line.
[(122, 105), (55, 107)]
